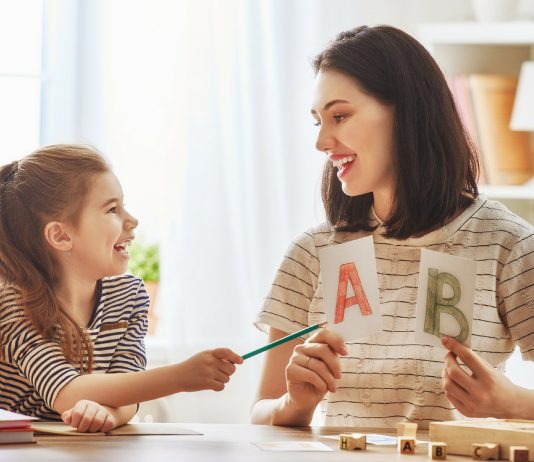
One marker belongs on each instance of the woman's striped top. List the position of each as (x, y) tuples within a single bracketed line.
[(388, 377), (33, 370)]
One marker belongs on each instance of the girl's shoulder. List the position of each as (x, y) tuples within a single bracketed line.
[(120, 284), (10, 308)]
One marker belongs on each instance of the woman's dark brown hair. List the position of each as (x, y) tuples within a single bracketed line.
[(48, 185), (435, 161)]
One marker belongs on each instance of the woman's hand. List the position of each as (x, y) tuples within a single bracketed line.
[(314, 368), (88, 416), (485, 392)]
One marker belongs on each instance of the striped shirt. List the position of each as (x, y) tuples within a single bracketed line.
[(33, 370), (388, 377)]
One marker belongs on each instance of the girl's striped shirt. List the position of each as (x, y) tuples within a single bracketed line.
[(33, 370), (388, 377)]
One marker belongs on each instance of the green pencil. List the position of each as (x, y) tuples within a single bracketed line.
[(283, 340)]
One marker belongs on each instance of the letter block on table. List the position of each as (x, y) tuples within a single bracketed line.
[(406, 445), (485, 451), (519, 454), (437, 450), (407, 429), (352, 441)]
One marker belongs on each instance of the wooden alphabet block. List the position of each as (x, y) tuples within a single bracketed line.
[(485, 451), (359, 441), (406, 445), (437, 450), (407, 429), (352, 441), (519, 454), (344, 441)]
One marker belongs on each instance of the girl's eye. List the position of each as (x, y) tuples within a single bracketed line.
[(340, 117), (317, 123), (112, 210)]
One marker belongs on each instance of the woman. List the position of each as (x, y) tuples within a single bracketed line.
[(400, 167)]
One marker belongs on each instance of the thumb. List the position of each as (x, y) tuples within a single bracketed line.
[(227, 355), (468, 356)]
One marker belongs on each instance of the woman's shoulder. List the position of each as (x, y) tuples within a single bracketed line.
[(492, 215)]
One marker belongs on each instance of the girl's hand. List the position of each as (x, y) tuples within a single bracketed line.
[(88, 416), (208, 370), (486, 392), (314, 368)]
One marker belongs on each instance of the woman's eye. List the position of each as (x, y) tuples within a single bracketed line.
[(340, 117), (317, 123), (112, 210)]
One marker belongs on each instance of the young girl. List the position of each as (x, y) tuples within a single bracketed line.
[(72, 325), (399, 167)]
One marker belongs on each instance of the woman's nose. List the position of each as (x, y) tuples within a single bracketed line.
[(325, 141)]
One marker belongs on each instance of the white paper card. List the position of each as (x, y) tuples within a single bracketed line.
[(294, 446), (445, 298), (350, 288)]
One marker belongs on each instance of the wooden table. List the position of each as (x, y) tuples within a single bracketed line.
[(218, 443)]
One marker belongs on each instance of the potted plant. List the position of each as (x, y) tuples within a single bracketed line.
[(144, 262)]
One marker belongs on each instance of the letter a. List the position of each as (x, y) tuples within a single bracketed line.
[(348, 272), (436, 304)]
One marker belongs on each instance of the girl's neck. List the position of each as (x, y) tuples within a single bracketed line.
[(77, 298)]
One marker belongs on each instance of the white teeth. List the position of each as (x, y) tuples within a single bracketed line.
[(344, 160)]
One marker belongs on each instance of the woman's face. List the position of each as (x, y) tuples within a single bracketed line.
[(356, 132)]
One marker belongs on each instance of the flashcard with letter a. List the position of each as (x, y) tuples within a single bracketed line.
[(445, 298), (350, 288)]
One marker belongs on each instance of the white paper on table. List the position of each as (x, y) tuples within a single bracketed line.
[(294, 446), (464, 271), (361, 254)]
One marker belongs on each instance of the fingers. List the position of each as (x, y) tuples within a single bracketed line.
[(469, 358), (297, 372), (77, 413), (227, 355), (454, 372), (88, 416), (330, 338)]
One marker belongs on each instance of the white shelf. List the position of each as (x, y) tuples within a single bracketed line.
[(476, 33), (524, 192)]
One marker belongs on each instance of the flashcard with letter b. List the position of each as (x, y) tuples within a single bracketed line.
[(350, 288), (445, 298)]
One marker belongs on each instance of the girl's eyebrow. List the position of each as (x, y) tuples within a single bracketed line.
[(110, 201), (330, 104)]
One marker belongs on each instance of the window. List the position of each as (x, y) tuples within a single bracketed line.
[(21, 32)]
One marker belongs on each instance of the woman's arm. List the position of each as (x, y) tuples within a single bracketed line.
[(208, 370), (295, 378), (486, 392)]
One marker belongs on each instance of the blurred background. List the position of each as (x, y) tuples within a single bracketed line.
[(202, 107)]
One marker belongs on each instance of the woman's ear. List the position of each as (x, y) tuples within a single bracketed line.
[(58, 236)]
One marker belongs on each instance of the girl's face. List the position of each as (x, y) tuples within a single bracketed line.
[(356, 132), (105, 230)]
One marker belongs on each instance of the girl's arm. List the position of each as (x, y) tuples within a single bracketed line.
[(295, 378), (486, 392), (208, 370)]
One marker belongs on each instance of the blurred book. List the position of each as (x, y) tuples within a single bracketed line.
[(506, 154), (459, 85), (15, 428)]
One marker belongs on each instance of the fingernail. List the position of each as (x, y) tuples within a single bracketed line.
[(444, 340), (344, 350)]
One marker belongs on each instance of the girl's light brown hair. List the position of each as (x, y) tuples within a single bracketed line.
[(48, 185)]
